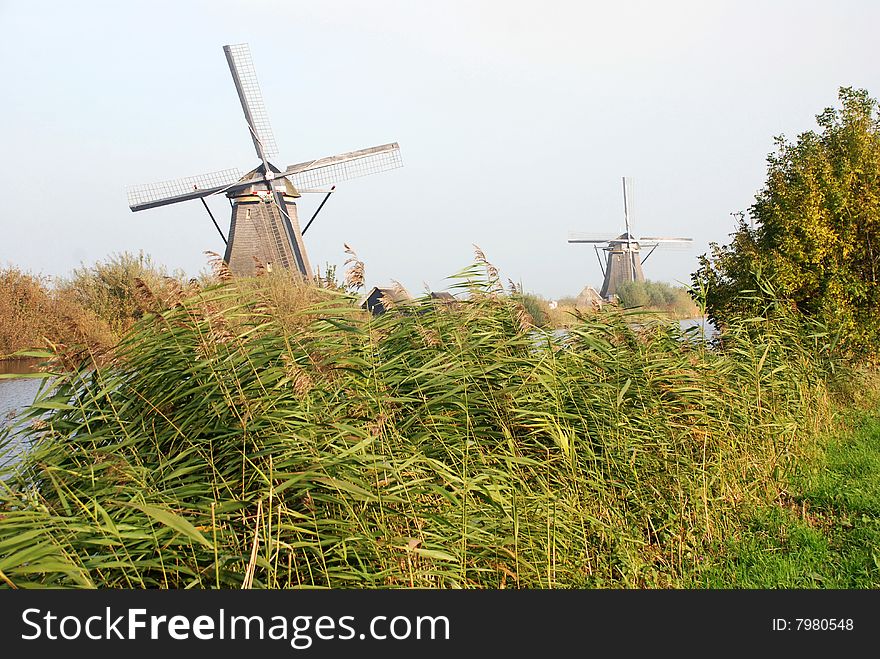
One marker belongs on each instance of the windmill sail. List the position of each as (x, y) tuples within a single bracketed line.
[(664, 241), (589, 238), (151, 195), (333, 169), (244, 76)]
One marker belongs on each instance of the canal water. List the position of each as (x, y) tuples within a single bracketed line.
[(16, 394), (705, 329), (697, 328)]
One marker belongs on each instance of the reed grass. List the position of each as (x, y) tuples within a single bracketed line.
[(257, 435), (84, 315), (34, 314)]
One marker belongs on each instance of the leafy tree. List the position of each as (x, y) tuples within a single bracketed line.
[(813, 238)]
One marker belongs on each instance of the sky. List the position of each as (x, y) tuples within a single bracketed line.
[(516, 121)]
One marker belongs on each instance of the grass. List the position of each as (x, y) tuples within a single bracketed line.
[(823, 531), (264, 434)]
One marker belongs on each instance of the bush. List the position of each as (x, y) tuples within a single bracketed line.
[(538, 308), (658, 296), (813, 233), (115, 290), (87, 313), (26, 311)]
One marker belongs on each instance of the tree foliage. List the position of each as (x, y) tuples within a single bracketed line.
[(813, 234)]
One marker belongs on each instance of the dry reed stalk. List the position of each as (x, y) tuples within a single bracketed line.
[(388, 302), (354, 276), (144, 295), (175, 294), (7, 581), (300, 380), (524, 318), (219, 266), (430, 337), (491, 271)]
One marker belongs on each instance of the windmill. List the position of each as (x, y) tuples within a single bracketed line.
[(623, 260), (264, 227)]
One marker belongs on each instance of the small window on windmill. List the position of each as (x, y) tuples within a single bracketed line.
[(247, 213)]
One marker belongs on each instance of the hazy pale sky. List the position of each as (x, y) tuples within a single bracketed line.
[(516, 121)]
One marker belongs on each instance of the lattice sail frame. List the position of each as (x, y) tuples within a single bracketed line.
[(250, 86), (666, 243), (578, 237), (149, 192), (343, 167)]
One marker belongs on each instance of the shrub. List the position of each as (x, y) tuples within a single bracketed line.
[(657, 296), (813, 232)]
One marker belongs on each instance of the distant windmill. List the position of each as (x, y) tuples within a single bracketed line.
[(624, 259), (264, 224)]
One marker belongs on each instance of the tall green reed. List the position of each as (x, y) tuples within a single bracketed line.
[(241, 440)]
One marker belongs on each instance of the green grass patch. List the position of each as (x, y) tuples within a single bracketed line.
[(824, 529)]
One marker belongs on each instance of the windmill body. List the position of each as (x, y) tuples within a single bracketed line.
[(265, 227), (623, 258), (623, 263), (261, 231)]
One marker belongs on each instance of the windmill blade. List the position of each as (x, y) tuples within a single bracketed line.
[(667, 241), (238, 56), (330, 170), (589, 238), (151, 195), (663, 246)]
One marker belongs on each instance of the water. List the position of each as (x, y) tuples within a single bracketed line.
[(707, 330), (15, 395)]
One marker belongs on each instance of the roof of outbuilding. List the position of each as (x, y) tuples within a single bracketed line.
[(394, 293)]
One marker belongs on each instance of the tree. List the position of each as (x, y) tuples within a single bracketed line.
[(814, 234)]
